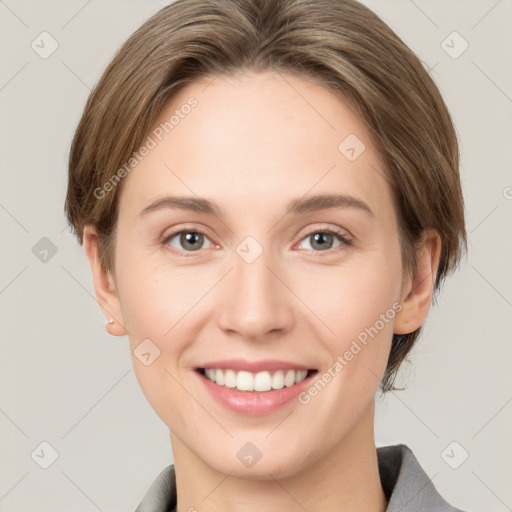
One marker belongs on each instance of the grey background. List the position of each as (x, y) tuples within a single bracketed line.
[(65, 381)]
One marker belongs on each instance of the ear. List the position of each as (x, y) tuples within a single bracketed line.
[(104, 284), (418, 289)]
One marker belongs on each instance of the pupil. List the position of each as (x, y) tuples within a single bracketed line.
[(189, 238), (322, 237)]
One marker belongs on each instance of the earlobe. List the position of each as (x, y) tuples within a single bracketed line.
[(418, 289), (104, 286)]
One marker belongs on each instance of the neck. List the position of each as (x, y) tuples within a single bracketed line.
[(346, 479)]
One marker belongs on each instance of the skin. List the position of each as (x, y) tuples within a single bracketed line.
[(254, 143)]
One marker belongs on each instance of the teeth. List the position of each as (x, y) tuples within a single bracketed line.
[(261, 381), (278, 380), (289, 379), (244, 381), (210, 374), (230, 379), (219, 377)]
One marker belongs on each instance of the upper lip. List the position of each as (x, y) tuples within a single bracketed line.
[(254, 366)]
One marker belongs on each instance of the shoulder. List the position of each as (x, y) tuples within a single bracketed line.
[(406, 484), (161, 495)]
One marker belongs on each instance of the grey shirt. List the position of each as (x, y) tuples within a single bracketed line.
[(406, 485)]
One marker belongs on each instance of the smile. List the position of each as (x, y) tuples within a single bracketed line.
[(260, 382), (254, 387)]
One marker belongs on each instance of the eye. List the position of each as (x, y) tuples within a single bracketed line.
[(188, 241), (325, 239)]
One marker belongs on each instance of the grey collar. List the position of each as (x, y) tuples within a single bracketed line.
[(406, 485)]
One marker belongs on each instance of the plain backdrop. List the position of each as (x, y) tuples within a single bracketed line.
[(65, 382)]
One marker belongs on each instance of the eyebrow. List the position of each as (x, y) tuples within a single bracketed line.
[(296, 206)]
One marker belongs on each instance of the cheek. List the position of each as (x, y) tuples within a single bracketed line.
[(156, 297), (153, 300), (360, 308), (163, 306), (353, 297), (357, 304)]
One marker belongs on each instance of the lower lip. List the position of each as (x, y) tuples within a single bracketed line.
[(254, 402)]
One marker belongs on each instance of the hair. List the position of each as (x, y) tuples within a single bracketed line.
[(340, 44)]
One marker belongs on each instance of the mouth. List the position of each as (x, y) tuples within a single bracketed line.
[(260, 382), (256, 388)]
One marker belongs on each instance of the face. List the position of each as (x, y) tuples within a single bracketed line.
[(288, 279)]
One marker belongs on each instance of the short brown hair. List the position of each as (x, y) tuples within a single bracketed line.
[(338, 43)]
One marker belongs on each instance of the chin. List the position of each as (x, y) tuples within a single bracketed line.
[(261, 460), (277, 467)]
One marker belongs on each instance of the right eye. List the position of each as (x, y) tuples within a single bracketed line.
[(188, 240)]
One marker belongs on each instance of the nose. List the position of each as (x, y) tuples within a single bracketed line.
[(255, 303)]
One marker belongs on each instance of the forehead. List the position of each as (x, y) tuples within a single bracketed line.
[(250, 136)]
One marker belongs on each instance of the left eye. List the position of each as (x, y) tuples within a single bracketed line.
[(323, 240)]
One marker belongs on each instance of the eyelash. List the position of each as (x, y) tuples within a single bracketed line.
[(345, 241)]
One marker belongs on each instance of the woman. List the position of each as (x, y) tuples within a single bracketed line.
[(309, 157)]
